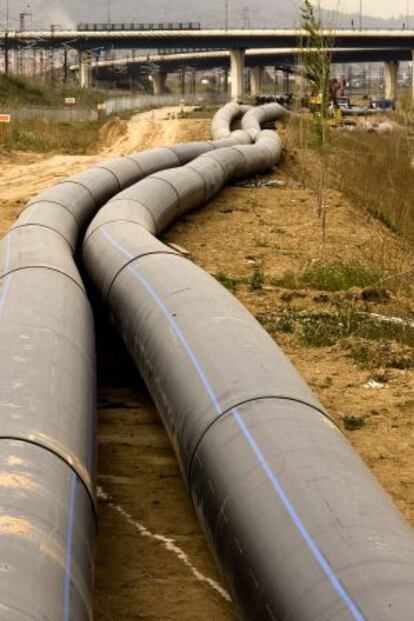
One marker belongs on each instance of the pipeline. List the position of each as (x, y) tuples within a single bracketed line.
[(299, 527), (47, 390)]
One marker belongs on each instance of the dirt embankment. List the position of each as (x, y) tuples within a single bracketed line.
[(26, 174)]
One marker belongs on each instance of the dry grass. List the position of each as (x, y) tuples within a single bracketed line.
[(42, 136)]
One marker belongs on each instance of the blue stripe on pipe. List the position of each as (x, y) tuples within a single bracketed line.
[(69, 542), (297, 521), (172, 323), (317, 554)]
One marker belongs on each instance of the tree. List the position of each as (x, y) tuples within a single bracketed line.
[(316, 63), (316, 58)]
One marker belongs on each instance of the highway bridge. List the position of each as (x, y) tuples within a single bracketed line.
[(160, 65), (371, 43)]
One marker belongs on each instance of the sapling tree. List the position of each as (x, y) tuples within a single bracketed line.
[(316, 64)]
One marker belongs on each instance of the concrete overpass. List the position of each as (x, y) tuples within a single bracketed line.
[(209, 39), (160, 65), (237, 42)]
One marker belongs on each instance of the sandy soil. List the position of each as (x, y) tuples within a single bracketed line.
[(23, 175), (152, 560)]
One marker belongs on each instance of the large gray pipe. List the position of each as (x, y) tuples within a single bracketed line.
[(47, 391), (299, 527)]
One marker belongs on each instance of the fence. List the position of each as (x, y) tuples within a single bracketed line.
[(117, 105), (60, 115), (123, 104)]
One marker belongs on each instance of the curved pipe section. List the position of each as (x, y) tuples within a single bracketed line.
[(299, 527), (47, 392)]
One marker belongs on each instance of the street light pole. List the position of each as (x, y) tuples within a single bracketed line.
[(360, 14)]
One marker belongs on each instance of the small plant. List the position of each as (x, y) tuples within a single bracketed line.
[(328, 382), (332, 277), (353, 423), (256, 280), (285, 324), (320, 333), (338, 276), (289, 280), (227, 281)]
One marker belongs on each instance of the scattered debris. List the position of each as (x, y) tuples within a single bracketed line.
[(374, 385), (261, 183), (375, 294), (179, 249)]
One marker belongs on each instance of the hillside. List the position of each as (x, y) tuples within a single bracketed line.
[(17, 91), (261, 13)]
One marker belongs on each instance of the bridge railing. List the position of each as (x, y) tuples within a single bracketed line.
[(93, 27)]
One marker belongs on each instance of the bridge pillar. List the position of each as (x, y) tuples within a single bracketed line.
[(236, 72), (159, 82), (226, 81), (391, 72), (84, 69), (256, 80), (182, 81)]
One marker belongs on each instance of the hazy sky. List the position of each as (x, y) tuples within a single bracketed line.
[(378, 8)]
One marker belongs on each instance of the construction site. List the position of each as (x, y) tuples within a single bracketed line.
[(206, 321)]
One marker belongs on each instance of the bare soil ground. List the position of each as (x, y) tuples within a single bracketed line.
[(23, 175), (152, 560)]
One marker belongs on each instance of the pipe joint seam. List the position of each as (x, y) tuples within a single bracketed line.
[(98, 228), (45, 267), (228, 411), (35, 202), (137, 258), (86, 482), (41, 226)]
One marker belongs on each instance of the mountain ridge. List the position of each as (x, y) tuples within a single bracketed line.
[(264, 13)]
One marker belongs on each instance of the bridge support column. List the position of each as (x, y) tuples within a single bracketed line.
[(256, 80), (226, 81), (182, 81), (391, 72), (84, 69), (412, 74), (236, 72), (159, 82)]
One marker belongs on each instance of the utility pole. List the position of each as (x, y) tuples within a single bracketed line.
[(52, 55), (22, 18), (65, 63), (108, 12), (246, 17)]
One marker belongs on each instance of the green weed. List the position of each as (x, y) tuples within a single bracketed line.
[(353, 423), (227, 281), (256, 280)]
